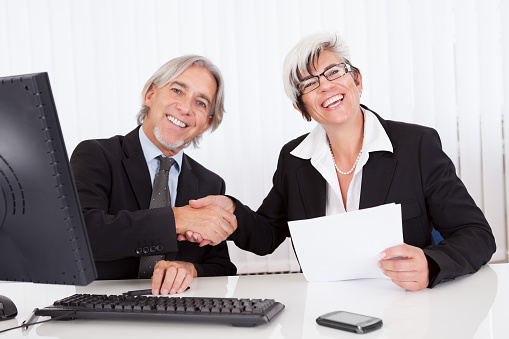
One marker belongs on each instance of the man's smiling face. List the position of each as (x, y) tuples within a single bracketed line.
[(179, 111)]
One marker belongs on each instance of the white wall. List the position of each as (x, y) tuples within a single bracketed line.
[(438, 63)]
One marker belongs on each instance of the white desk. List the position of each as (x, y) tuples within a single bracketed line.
[(475, 306)]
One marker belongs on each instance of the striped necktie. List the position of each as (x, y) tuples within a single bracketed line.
[(160, 198)]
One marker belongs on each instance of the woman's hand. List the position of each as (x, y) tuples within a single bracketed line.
[(407, 266)]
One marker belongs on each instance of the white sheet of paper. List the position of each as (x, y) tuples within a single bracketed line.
[(346, 246)]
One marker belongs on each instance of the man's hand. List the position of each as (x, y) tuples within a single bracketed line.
[(407, 267), (209, 222), (221, 201), (171, 277)]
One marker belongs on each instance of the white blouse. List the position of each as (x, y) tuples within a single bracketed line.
[(316, 147)]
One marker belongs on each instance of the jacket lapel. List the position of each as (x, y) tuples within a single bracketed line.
[(187, 184), (311, 187), (136, 169), (377, 174)]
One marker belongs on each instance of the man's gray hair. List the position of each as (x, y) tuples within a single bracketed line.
[(174, 68), (304, 55)]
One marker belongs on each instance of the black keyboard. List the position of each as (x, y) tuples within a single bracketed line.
[(237, 312)]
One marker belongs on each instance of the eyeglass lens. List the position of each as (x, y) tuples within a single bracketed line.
[(330, 74)]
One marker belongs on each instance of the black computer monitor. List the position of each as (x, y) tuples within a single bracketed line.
[(42, 233)]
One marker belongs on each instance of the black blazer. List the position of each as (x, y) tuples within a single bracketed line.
[(418, 175), (114, 188)]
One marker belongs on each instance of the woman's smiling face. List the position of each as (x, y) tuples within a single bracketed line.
[(336, 101)]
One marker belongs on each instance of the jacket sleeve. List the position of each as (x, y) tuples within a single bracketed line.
[(261, 232), (468, 240)]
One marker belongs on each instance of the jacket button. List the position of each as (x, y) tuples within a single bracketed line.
[(159, 248), (139, 250), (152, 249), (146, 250)]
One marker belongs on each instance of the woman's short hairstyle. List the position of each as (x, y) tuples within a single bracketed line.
[(170, 71), (304, 55)]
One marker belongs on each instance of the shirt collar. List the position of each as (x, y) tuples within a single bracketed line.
[(375, 136), (316, 145), (150, 151)]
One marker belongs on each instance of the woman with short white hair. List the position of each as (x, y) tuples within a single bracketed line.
[(354, 159)]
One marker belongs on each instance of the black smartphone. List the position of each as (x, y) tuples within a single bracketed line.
[(351, 322)]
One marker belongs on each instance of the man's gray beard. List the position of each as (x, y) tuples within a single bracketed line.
[(166, 144)]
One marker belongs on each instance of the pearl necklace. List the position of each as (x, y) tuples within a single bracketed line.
[(336, 166)]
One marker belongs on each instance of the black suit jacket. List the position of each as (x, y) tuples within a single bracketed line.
[(114, 187), (418, 175)]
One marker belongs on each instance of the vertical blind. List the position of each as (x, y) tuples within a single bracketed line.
[(438, 63)]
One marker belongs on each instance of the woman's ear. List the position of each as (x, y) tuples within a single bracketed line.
[(358, 81), (302, 110)]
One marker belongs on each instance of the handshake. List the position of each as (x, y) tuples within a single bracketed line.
[(208, 220)]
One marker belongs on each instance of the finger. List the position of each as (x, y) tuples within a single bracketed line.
[(402, 276), (178, 280), (225, 203), (412, 280), (411, 285), (205, 243), (197, 237), (216, 229), (169, 277), (216, 237), (232, 222), (193, 236), (400, 251), (157, 277), (222, 201), (185, 283), (198, 203), (222, 225), (397, 264), (189, 236)]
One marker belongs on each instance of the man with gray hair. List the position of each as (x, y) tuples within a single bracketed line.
[(135, 189)]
